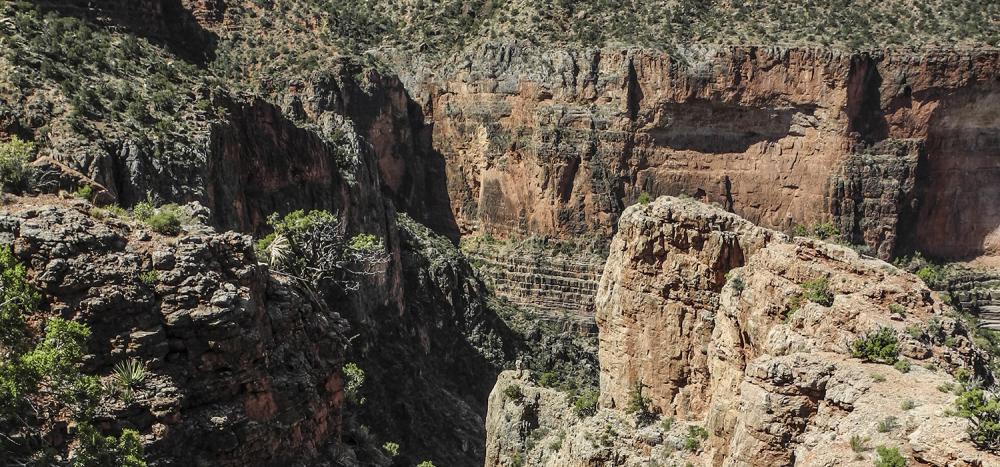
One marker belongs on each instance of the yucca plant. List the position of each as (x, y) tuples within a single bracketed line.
[(128, 375), (279, 251)]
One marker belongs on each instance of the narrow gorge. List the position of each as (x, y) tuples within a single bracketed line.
[(501, 233)]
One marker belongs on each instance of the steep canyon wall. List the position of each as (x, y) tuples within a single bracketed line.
[(557, 142)]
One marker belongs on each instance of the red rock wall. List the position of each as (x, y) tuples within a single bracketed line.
[(558, 142)]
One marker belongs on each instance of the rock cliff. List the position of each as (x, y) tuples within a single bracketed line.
[(724, 327), (558, 141)]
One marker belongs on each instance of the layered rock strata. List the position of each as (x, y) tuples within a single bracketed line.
[(709, 313), (558, 141)]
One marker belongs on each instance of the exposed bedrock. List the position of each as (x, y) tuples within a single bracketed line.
[(708, 312), (557, 142)]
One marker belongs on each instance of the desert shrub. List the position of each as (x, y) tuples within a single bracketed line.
[(897, 309), (880, 346), (931, 274), (667, 423), (585, 404), (903, 366), (878, 377), (165, 220), (312, 247), (737, 283), (638, 404), (907, 404), (548, 379), (96, 449), (983, 411), (859, 444), (391, 449), (16, 172), (150, 277), (817, 290), (887, 424), (826, 230), (127, 376), (513, 392), (84, 192), (643, 198), (46, 368), (695, 435), (889, 457), (354, 378)]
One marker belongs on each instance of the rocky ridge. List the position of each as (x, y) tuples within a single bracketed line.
[(707, 311)]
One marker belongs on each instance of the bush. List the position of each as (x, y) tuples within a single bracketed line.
[(983, 411), (513, 392), (166, 220), (907, 404), (354, 378), (880, 346), (931, 274), (887, 424), (695, 435), (643, 198), (897, 309), (826, 230), (426, 464), (585, 404), (817, 290), (638, 404), (391, 449), (16, 172), (903, 366), (889, 457), (859, 444), (95, 449), (85, 192)]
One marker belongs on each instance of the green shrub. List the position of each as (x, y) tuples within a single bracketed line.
[(907, 404), (96, 449), (426, 464), (695, 435), (585, 404), (983, 411), (897, 309), (903, 366), (931, 274), (859, 444), (16, 172), (85, 192), (638, 404), (548, 379), (513, 392), (667, 423), (166, 220), (817, 290), (826, 230), (643, 198), (887, 424), (354, 379), (878, 377), (366, 242), (150, 277), (889, 457), (880, 346), (391, 449)]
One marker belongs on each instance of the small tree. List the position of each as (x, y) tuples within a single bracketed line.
[(880, 346), (638, 404), (16, 172), (889, 457)]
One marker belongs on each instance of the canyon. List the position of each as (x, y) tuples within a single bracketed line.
[(557, 217), (698, 308)]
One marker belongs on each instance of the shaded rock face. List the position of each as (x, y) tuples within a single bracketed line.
[(241, 366), (558, 142), (707, 311)]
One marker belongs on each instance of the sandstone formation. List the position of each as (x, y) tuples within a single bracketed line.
[(709, 313), (558, 141)]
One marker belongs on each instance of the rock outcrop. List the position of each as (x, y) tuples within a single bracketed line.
[(241, 365), (720, 323), (558, 141)]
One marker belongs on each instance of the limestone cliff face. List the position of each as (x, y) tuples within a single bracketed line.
[(557, 142), (707, 311)]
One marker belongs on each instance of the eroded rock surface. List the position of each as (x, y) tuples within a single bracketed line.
[(710, 314)]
